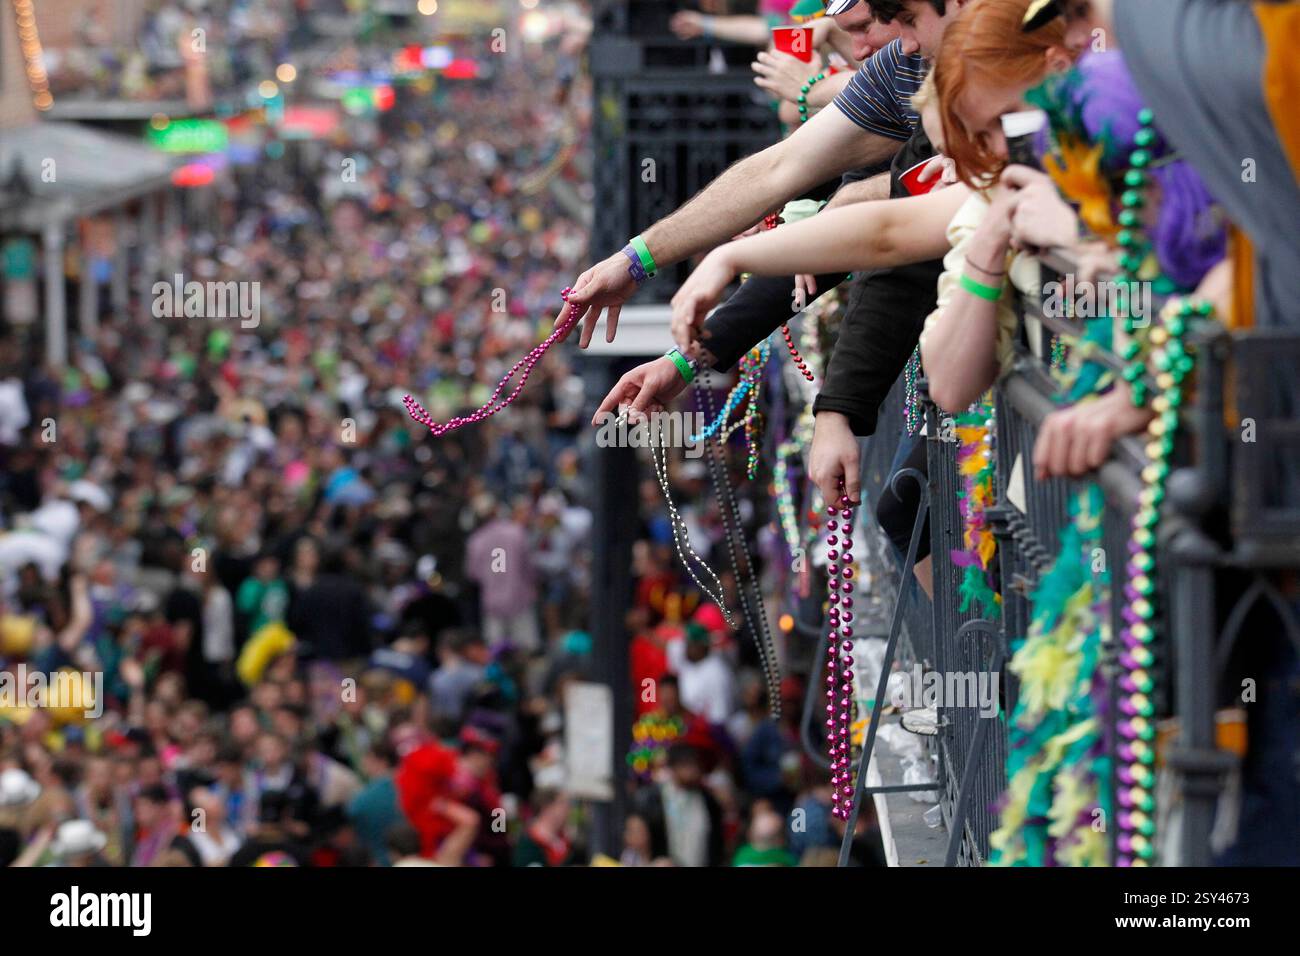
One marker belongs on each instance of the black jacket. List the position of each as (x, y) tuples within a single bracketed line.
[(883, 318), (763, 303)]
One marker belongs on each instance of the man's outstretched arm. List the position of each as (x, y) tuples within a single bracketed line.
[(826, 146)]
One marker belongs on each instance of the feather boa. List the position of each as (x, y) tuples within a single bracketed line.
[(976, 468), (1058, 796)]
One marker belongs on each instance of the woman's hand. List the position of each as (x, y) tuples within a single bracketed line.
[(697, 295), (1078, 439), (986, 252), (996, 224), (782, 74), (805, 288), (1040, 218)]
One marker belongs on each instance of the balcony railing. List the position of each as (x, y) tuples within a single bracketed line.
[(1230, 525)]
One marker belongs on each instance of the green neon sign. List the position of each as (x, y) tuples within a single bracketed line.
[(190, 136)]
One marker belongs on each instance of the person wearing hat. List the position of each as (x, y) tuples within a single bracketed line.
[(17, 791), (77, 843)]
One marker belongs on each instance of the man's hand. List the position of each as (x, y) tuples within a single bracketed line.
[(697, 296), (606, 285), (1078, 439), (1040, 219), (782, 74), (645, 389), (834, 456)]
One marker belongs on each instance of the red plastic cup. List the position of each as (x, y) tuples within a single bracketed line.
[(912, 183), (797, 41)]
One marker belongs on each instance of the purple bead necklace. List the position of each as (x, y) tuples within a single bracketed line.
[(496, 403), (839, 653)]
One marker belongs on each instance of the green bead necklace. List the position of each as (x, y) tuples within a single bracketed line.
[(803, 95), (1136, 754)]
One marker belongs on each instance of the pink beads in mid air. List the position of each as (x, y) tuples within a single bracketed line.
[(839, 659), (527, 364)]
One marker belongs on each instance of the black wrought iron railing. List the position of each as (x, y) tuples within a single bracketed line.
[(1228, 546)]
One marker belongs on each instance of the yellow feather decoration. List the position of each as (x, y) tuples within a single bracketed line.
[(1078, 175)]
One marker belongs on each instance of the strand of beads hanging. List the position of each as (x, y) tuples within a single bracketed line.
[(786, 512), (682, 538), (793, 349), (1136, 246), (1135, 840), (770, 222), (496, 403), (753, 435), (911, 407), (753, 415), (804, 90), (751, 368), (839, 652), (751, 600), (1058, 352)]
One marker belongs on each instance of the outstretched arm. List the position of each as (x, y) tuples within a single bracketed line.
[(746, 28), (826, 146), (871, 235)]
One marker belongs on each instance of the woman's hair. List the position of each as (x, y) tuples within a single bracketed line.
[(924, 95), (1189, 235), (985, 45)]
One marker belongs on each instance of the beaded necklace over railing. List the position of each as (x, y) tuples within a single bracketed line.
[(839, 653), (1135, 840), (751, 599)]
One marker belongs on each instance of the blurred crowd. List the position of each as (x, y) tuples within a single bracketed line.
[(234, 43), (320, 637), (323, 637)]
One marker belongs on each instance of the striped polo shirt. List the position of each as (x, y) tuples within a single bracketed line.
[(879, 97)]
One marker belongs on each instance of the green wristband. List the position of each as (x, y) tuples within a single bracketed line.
[(990, 292), (683, 366), (647, 260)]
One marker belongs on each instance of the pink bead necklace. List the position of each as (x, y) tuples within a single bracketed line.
[(496, 403), (839, 656)]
